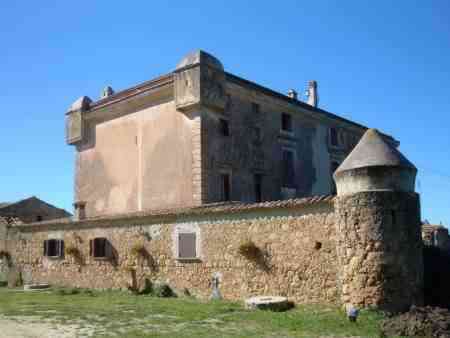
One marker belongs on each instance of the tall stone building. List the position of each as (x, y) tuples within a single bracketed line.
[(199, 135)]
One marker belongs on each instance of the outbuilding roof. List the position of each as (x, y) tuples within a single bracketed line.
[(373, 151)]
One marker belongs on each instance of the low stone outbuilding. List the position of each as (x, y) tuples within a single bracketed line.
[(31, 209)]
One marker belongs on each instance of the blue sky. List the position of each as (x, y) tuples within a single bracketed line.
[(384, 64)]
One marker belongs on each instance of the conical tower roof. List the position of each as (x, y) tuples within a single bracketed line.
[(373, 151)]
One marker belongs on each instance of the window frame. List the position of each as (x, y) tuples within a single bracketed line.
[(294, 165), (222, 190), (333, 187), (107, 248), (256, 108), (224, 127), (187, 228), (59, 248), (330, 137), (287, 123), (180, 240)]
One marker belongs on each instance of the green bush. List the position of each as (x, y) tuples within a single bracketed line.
[(147, 289), (249, 250), (164, 291)]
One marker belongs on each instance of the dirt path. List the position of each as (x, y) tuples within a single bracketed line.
[(27, 327)]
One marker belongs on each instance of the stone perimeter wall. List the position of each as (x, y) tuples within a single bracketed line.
[(299, 246)]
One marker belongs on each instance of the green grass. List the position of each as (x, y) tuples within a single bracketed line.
[(120, 314)]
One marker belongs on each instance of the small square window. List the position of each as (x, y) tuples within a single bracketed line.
[(187, 245), (286, 122), (224, 127), (54, 248), (225, 187)]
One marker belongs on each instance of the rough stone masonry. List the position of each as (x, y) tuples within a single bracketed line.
[(361, 248)]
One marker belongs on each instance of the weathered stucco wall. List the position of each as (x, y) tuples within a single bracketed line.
[(138, 161), (299, 245), (151, 151), (255, 145)]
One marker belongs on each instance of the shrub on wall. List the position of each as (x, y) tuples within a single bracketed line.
[(4, 255), (73, 251), (249, 250), (138, 250)]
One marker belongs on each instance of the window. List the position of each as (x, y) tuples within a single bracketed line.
[(257, 134), (286, 122), (38, 218), (258, 187), (187, 245), (100, 248), (255, 108), (334, 166), (225, 187), (393, 217), (334, 141), (224, 127), (54, 248), (288, 168)]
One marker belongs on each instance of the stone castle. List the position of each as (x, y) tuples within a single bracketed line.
[(174, 176)]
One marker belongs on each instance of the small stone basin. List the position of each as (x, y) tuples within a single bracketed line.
[(273, 303), (33, 287)]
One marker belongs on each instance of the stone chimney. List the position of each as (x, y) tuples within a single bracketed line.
[(293, 94), (311, 93), (79, 211), (106, 92)]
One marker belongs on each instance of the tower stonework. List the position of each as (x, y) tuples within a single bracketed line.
[(379, 244)]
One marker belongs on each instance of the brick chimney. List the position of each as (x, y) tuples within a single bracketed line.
[(311, 92)]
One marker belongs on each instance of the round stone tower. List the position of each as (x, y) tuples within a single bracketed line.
[(379, 241)]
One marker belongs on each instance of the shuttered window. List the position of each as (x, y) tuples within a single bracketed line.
[(187, 246), (54, 248), (100, 247)]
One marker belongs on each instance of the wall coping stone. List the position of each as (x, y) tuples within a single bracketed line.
[(174, 214)]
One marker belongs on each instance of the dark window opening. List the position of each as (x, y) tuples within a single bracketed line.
[(286, 122), (39, 218), (334, 141), (257, 134), (258, 187), (225, 187), (54, 248), (394, 217), (224, 127), (288, 169), (318, 245), (187, 245), (334, 166), (255, 108), (100, 248)]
